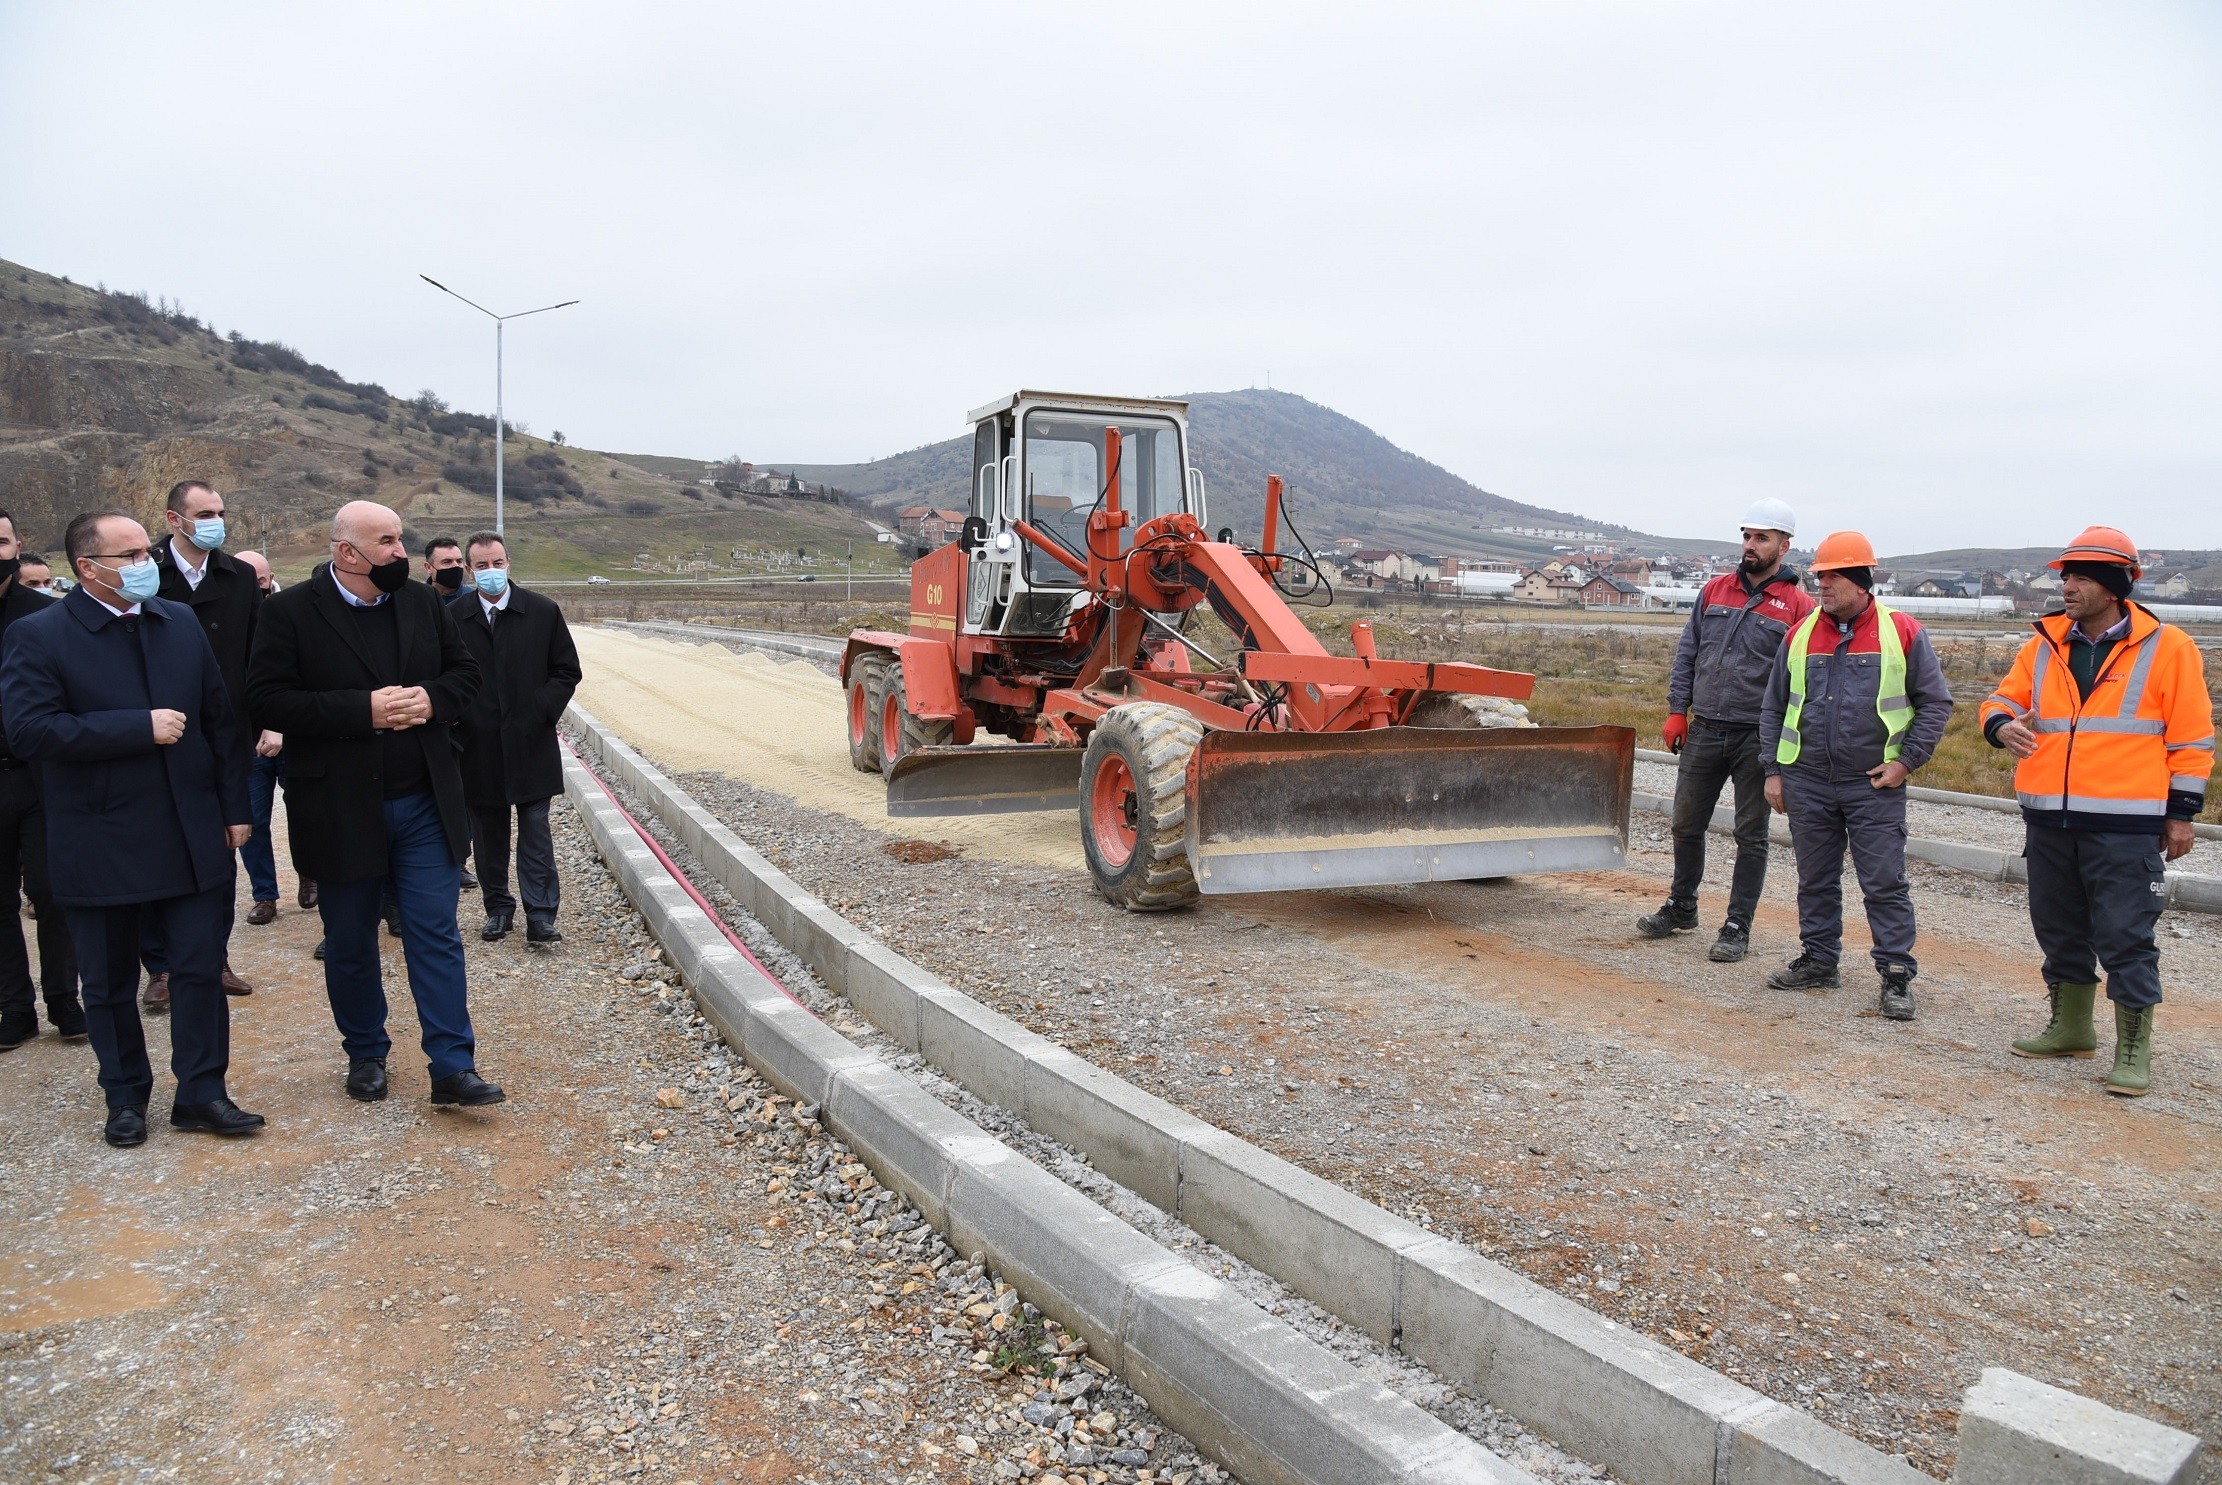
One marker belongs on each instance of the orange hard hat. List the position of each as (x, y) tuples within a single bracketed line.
[(1842, 549), (2102, 544)]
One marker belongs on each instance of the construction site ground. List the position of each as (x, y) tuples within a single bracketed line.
[(1853, 1215), (619, 1274)]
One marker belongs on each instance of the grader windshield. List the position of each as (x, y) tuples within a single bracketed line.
[(1066, 477)]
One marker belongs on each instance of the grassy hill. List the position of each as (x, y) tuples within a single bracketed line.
[(107, 399), (1343, 478)]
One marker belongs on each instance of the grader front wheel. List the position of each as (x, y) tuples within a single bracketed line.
[(900, 733), (1134, 806), (864, 703)]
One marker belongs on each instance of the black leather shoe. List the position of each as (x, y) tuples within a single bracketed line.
[(69, 1020), (466, 1088), (393, 923), (366, 1079), (497, 926), (217, 1116), (469, 882), (16, 1028), (126, 1127), (541, 931), (318, 952)]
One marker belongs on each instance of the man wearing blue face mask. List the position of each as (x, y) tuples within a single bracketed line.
[(116, 694), (224, 594), (511, 761)]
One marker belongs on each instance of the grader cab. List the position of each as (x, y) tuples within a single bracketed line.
[(1060, 620)]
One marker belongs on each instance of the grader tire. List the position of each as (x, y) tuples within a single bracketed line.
[(1134, 806), (900, 733), (1469, 711), (863, 708)]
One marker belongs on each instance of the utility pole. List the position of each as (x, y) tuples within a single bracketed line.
[(499, 321), (852, 569)]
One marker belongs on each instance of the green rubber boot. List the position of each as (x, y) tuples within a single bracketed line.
[(2071, 1033), (2132, 1076)]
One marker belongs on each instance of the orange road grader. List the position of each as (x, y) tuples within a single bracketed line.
[(1059, 619)]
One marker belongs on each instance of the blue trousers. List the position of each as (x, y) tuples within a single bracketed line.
[(426, 880), (261, 862), (192, 930), (2095, 898)]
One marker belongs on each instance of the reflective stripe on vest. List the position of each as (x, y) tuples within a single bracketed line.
[(1890, 692)]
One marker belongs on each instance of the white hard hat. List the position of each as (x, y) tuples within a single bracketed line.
[(1771, 515)]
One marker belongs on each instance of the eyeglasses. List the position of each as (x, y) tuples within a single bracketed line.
[(127, 558)]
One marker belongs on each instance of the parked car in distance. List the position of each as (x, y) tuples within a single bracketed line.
[(808, 577), (597, 578)]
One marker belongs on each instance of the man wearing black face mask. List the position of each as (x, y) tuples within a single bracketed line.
[(444, 567), (364, 672)]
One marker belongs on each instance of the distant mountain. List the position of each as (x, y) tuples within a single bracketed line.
[(1343, 479), (2030, 559)]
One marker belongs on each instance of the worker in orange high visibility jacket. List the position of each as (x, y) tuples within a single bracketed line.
[(1856, 702), (2107, 709)]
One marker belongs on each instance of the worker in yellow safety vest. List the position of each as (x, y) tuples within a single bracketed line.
[(1856, 702), (2107, 710)]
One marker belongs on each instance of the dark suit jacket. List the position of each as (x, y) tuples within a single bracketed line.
[(530, 668), (226, 603), (17, 604), (126, 820), (311, 678)]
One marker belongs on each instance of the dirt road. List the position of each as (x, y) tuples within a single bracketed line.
[(1853, 1215), (610, 1276)]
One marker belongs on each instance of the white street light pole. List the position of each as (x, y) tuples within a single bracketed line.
[(499, 321)]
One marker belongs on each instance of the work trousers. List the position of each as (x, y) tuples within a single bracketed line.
[(257, 856), (192, 929), (23, 854), (1712, 755), (1826, 819), (536, 864), (2095, 898), (425, 881)]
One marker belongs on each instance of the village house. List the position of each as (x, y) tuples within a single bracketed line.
[(1602, 591)]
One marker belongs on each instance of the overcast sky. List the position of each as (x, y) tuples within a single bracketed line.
[(1948, 273)]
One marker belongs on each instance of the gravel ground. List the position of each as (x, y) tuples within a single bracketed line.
[(1851, 1215), (641, 1267), (1487, 1426), (1975, 827)]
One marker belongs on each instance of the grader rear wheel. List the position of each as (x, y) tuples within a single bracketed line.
[(864, 707), (1134, 806)]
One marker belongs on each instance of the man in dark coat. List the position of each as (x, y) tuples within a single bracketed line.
[(364, 674), (224, 595), (23, 856), (510, 757), (116, 694)]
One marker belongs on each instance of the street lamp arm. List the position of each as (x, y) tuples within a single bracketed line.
[(543, 309), (443, 288)]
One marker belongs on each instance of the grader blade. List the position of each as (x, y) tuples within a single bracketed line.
[(1273, 812), (984, 781)]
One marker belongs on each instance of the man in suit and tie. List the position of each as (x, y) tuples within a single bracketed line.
[(528, 668), (116, 694), (224, 594), (364, 674)]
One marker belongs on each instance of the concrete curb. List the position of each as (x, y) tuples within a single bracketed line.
[(2187, 891), (809, 649), (1270, 1404), (1643, 1410)]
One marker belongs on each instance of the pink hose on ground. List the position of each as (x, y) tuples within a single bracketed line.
[(681, 878)]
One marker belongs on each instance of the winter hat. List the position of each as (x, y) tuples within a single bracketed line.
[(2112, 576)]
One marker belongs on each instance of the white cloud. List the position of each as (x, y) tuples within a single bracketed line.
[(1942, 273)]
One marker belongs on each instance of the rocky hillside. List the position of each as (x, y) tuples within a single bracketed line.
[(107, 399), (1343, 478)]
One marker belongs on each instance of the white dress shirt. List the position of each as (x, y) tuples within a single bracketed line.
[(193, 574)]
